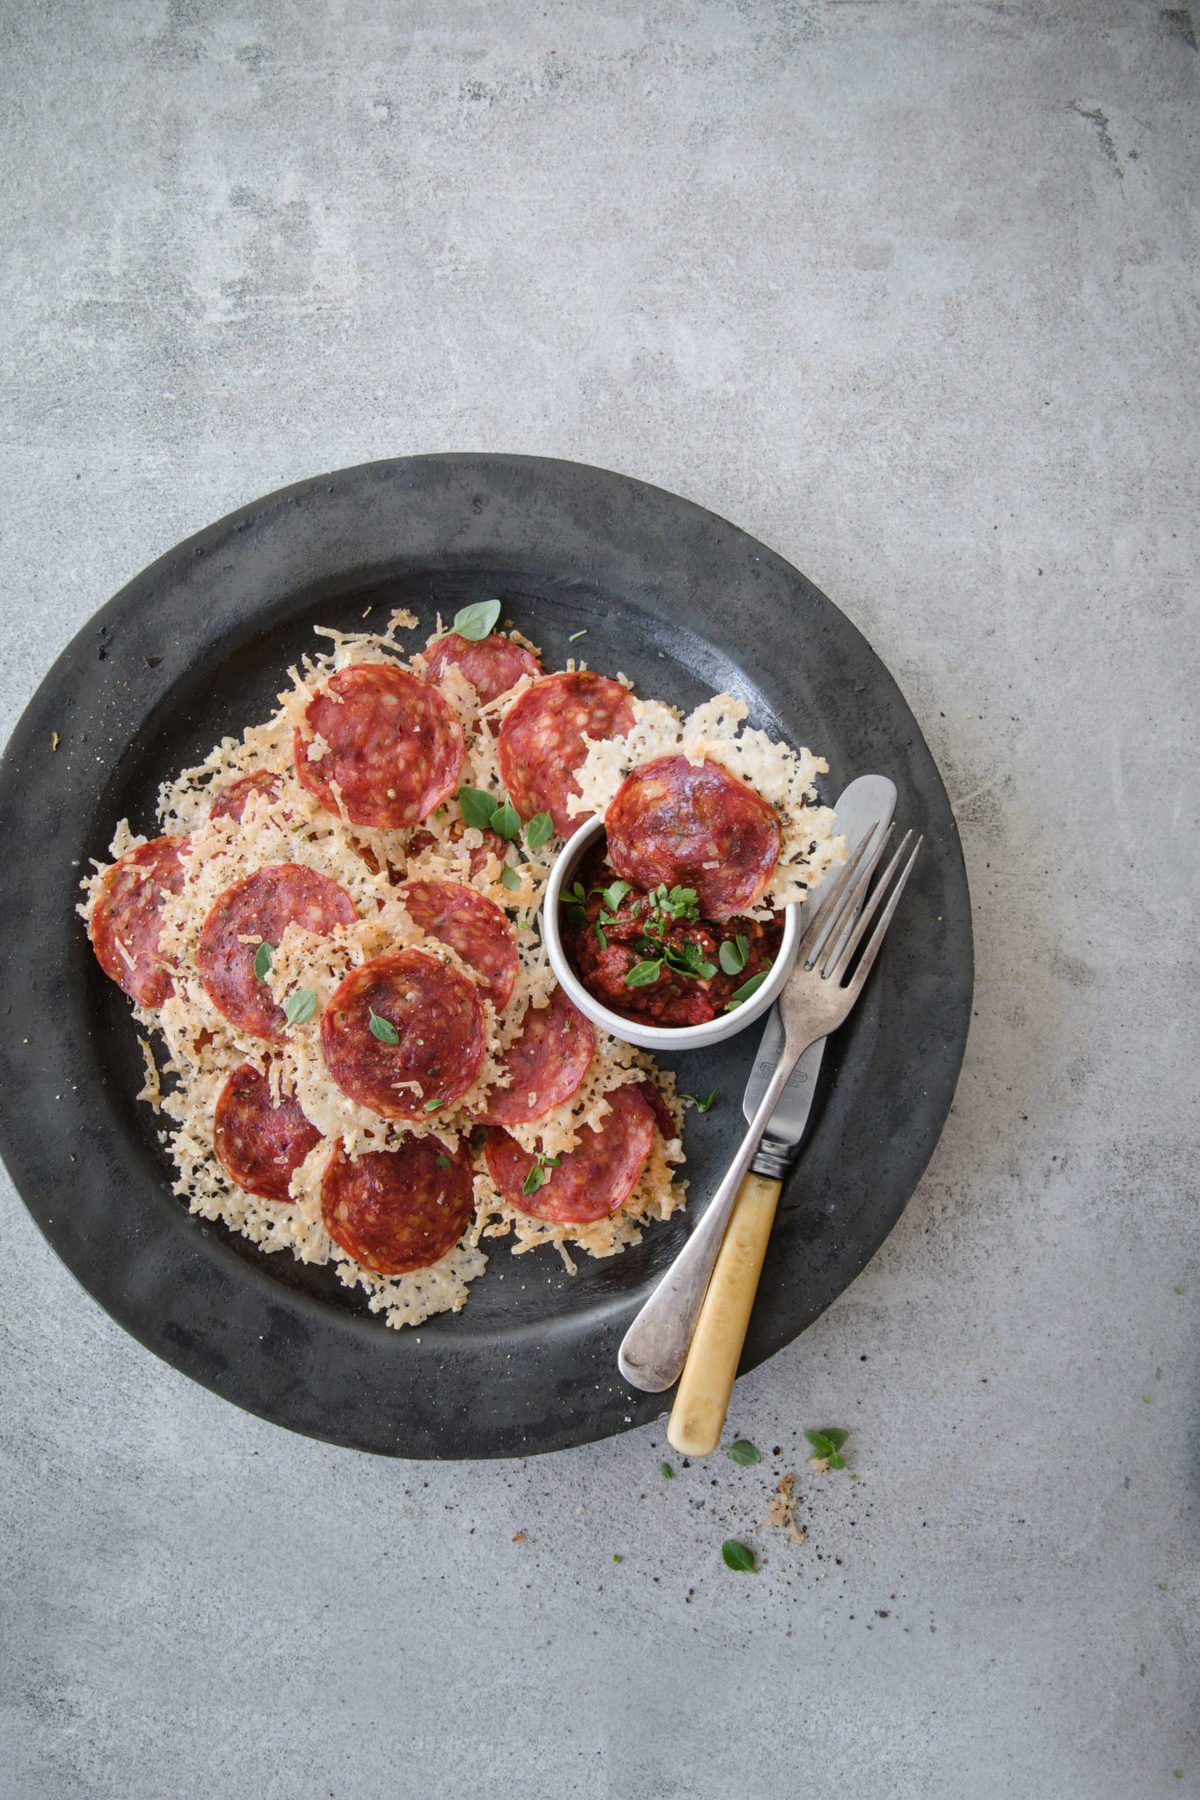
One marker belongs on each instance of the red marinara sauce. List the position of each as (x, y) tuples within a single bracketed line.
[(604, 950)]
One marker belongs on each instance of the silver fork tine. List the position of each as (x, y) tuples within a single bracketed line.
[(813, 940), (854, 985), (839, 938), (838, 960)]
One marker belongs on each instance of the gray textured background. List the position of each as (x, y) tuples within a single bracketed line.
[(908, 290)]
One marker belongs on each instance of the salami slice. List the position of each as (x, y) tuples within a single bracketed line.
[(590, 1182), (471, 924), (126, 919), (436, 1018), (658, 1106), (492, 666), (394, 751), (693, 826), (541, 741), (547, 1061), (260, 908), (231, 802), (398, 1210), (258, 1144)]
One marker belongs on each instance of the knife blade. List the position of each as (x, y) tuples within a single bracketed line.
[(870, 798)]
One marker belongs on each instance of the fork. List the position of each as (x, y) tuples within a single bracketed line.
[(816, 999)]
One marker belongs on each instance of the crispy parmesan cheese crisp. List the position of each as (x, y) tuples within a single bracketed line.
[(379, 747), (589, 1182), (404, 1035), (544, 1065), (472, 925), (492, 666), (260, 1142), (543, 740), (693, 826), (258, 910), (126, 919), (398, 1210)]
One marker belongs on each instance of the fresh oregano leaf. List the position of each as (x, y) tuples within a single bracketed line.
[(506, 821), (539, 830), (747, 988), (509, 878), (263, 957), (443, 1161), (478, 621), (733, 954), (383, 1029), (643, 974), (299, 1007), (476, 807), (739, 1556), (743, 1453), (666, 1471), (701, 1105)]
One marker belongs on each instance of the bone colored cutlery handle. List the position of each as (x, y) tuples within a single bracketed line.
[(702, 1398)]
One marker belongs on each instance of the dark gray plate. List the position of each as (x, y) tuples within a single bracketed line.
[(196, 646)]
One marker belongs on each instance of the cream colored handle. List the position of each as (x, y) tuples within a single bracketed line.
[(702, 1398)]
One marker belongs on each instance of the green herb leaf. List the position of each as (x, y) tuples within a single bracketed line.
[(674, 903), (578, 893), (509, 878), (478, 621), (432, 1105), (600, 937), (539, 829), (699, 1104), (613, 895), (506, 821), (827, 1444), (443, 1162), (739, 1556), (687, 959), (644, 974), (299, 1007), (534, 1179), (383, 1029), (262, 960), (576, 915), (617, 1558), (666, 1471), (574, 639), (733, 954), (743, 1453), (747, 988), (476, 807)]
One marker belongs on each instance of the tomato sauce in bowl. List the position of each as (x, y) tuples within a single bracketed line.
[(650, 957)]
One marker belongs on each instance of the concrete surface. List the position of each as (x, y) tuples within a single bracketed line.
[(909, 290)]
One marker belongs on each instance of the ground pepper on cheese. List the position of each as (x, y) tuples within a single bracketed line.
[(198, 1048)]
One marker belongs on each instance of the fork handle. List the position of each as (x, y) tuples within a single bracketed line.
[(702, 1398)]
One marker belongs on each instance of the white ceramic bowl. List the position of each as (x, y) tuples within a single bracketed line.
[(651, 1037)]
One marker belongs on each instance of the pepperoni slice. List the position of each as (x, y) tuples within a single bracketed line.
[(261, 907), (438, 1018), (492, 666), (126, 919), (541, 740), (398, 1210), (590, 1182), (231, 802), (547, 1061), (471, 924), (395, 746), (258, 1144), (693, 826), (658, 1106)]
